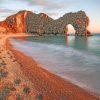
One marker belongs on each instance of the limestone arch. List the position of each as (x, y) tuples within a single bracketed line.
[(78, 25), (78, 20)]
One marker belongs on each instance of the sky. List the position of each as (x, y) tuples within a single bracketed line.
[(55, 9)]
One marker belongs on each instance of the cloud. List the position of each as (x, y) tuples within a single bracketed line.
[(4, 10), (4, 13), (42, 3), (47, 4)]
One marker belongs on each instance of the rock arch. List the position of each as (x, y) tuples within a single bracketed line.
[(40, 24), (78, 20)]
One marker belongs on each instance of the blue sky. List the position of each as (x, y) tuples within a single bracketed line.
[(54, 8)]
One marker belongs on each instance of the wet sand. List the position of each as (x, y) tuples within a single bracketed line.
[(42, 84)]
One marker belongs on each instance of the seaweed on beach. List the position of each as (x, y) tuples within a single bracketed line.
[(4, 93), (39, 97), (26, 90), (3, 73), (17, 81), (18, 97)]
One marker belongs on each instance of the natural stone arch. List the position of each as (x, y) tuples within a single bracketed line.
[(78, 20)]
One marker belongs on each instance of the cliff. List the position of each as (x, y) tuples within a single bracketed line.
[(40, 24), (14, 23)]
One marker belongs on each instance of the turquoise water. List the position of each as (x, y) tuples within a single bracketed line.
[(74, 58), (90, 44)]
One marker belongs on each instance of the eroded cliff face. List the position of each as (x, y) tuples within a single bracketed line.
[(14, 24), (40, 24), (36, 23)]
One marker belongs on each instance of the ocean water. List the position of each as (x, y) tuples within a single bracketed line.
[(76, 59)]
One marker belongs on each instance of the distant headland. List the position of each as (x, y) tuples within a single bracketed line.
[(41, 24)]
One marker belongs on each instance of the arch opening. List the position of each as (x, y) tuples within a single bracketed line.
[(69, 30)]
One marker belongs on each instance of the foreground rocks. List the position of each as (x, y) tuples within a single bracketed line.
[(41, 24)]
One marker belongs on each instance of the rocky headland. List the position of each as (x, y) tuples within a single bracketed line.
[(41, 24)]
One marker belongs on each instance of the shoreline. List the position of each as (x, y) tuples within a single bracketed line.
[(50, 86)]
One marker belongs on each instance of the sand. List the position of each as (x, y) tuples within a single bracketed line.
[(25, 79)]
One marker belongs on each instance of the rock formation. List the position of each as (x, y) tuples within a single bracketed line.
[(29, 22), (14, 24)]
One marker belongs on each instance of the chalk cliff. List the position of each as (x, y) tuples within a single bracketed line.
[(40, 24)]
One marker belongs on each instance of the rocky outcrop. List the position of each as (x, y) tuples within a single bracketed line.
[(14, 23), (29, 22)]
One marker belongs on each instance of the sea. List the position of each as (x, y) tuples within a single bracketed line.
[(76, 59)]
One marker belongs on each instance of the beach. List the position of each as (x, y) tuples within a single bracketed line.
[(39, 83)]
